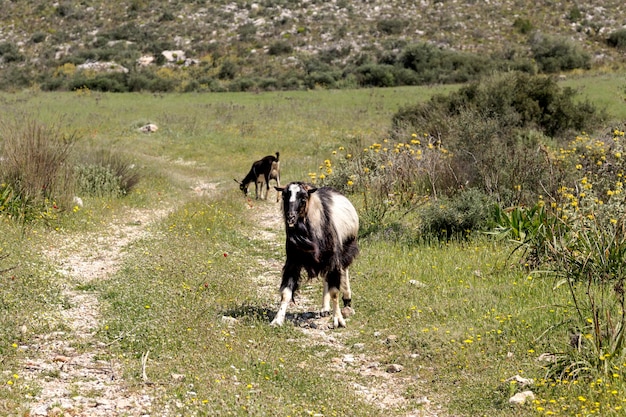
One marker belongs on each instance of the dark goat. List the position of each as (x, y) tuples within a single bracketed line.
[(262, 171), (321, 226)]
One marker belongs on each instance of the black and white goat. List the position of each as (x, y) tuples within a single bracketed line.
[(261, 172), (321, 226)]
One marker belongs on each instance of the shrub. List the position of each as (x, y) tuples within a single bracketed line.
[(280, 48), (523, 26), (9, 52), (391, 26), (228, 70), (246, 32), (509, 112), (320, 79), (456, 217), (38, 37), (581, 237), (554, 54), (372, 75), (105, 174), (617, 39), (433, 64), (113, 82)]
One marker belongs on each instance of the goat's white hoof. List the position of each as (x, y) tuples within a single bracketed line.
[(277, 322), (339, 322)]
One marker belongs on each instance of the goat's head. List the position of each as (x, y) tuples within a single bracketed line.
[(243, 187), (295, 201)]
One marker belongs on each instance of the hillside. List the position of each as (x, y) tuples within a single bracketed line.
[(282, 44)]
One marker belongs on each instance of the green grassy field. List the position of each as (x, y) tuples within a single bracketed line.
[(438, 330)]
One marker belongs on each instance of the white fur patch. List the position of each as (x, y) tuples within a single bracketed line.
[(293, 192), (344, 217)]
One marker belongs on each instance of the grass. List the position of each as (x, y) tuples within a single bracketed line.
[(461, 319)]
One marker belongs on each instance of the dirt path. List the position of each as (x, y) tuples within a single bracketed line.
[(71, 366)]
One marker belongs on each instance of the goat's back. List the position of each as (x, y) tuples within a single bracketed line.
[(341, 213)]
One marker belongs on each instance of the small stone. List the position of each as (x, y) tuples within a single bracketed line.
[(547, 357), (521, 380), (178, 377), (124, 403), (61, 358), (422, 401), (394, 368), (347, 312), (103, 402), (392, 338), (149, 128), (348, 358), (521, 398), (229, 320), (41, 410), (56, 411)]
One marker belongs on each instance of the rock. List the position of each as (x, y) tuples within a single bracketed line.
[(348, 358), (229, 320), (41, 410), (521, 380), (178, 377), (547, 357), (521, 398), (145, 60), (394, 368), (98, 66), (149, 128), (173, 56), (417, 283)]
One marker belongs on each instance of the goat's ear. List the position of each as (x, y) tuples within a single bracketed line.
[(309, 188), (279, 189), (237, 181)]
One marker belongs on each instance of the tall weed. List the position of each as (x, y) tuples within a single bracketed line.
[(34, 175)]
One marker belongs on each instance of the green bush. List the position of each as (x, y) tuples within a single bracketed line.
[(9, 52), (320, 79), (523, 26), (580, 238), (456, 217), (105, 174), (373, 75), (554, 54), (111, 82), (391, 26), (617, 39), (514, 113), (280, 48)]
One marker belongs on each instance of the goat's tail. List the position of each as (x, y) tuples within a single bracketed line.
[(277, 155)]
